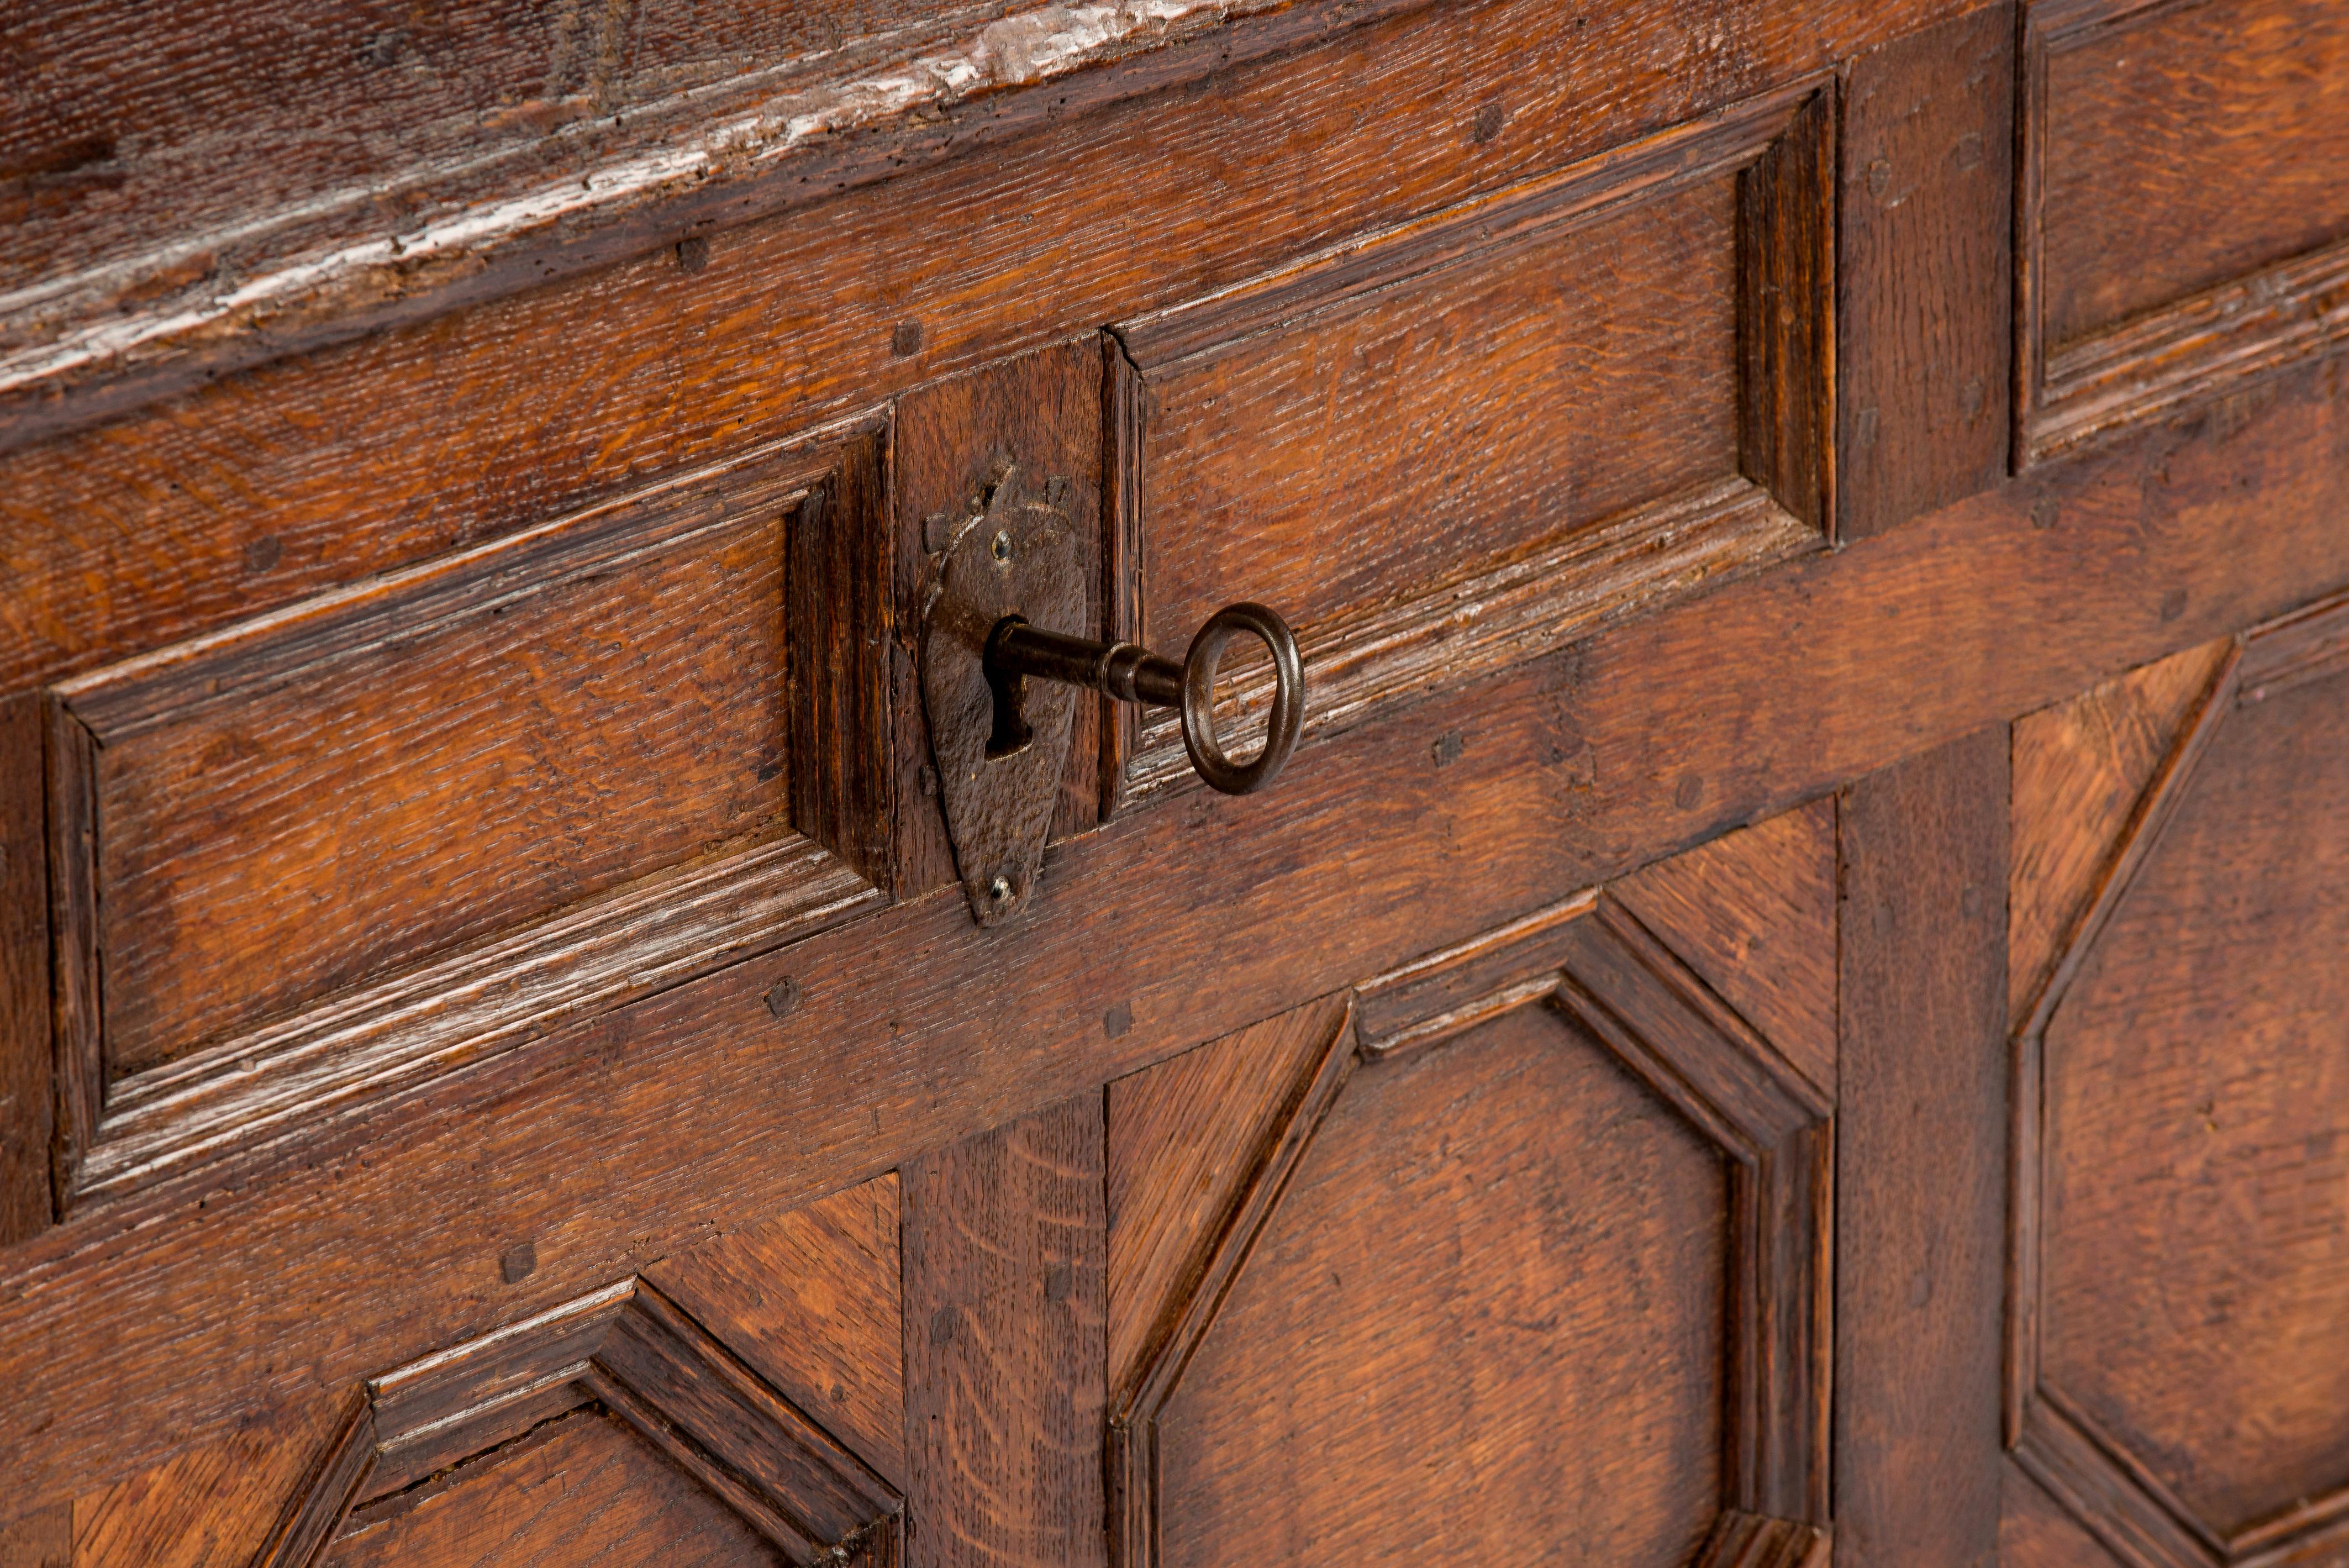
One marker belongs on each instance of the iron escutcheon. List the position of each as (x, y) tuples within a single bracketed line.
[(1000, 746)]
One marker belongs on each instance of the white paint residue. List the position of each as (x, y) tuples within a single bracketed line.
[(1016, 50)]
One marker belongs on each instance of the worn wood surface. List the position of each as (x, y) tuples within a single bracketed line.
[(702, 1105), (1785, 316), (1577, 1275), (216, 1503), (1754, 913), (1925, 272), (1005, 1251), (2186, 145), (1922, 1205), (1183, 1138)]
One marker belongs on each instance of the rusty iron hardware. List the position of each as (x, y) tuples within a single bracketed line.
[(1002, 662), (1016, 651)]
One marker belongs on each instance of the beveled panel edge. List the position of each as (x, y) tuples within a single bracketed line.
[(2088, 1471), (1365, 664), (653, 1367), (2187, 353)]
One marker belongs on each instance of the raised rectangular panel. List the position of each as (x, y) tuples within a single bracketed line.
[(2183, 221), (1443, 448), (323, 853)]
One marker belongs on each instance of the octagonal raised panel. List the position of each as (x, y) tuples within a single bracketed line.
[(1532, 1258), (2183, 1240)]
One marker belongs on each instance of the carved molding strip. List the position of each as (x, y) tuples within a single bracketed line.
[(354, 1054), (2189, 351), (2109, 1491), (630, 1349), (1366, 663), (1606, 976)]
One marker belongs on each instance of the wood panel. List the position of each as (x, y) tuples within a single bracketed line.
[(26, 1108), (1182, 1139), (357, 788), (1351, 1375), (1754, 913), (701, 1105), (2082, 771), (1005, 1252), (1457, 1334), (1924, 271), (267, 485), (1527, 328), (578, 1490), (214, 1504), (1920, 1222), (522, 782), (810, 1300), (2181, 231), (2181, 1287)]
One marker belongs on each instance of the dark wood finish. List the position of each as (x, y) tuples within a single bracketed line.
[(700, 1105), (1924, 388), (1785, 316), (2180, 232), (1920, 1219), (1004, 1247), (27, 1112)]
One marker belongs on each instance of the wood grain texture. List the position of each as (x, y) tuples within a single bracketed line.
[(1754, 913), (579, 1490), (214, 1504), (1005, 1249), (1183, 1137), (2127, 145), (2034, 1532), (1565, 1232), (1466, 399), (351, 810), (810, 1300), (2187, 145), (1924, 271), (1787, 316), (1039, 414), (38, 1540), (2081, 770), (1750, 1541), (27, 1108), (838, 610), (1921, 1223), (702, 1106), (2193, 1291), (272, 483)]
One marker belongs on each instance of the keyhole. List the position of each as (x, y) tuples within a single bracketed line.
[(1010, 734)]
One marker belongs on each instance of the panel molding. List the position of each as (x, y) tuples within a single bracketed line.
[(1500, 612), (631, 1350), (1604, 975), (2089, 1471), (2191, 351), (342, 1057)]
